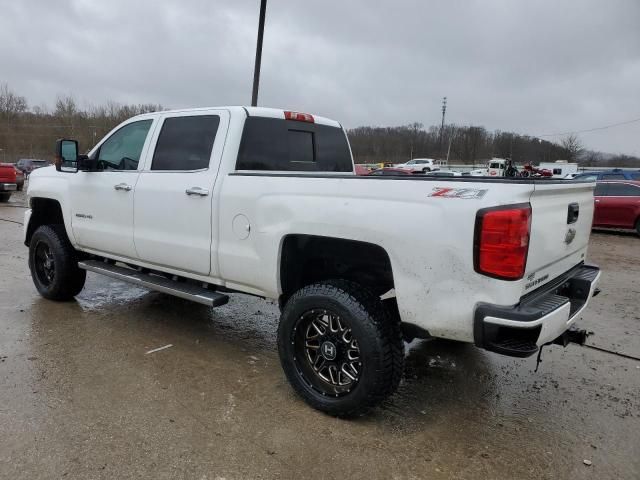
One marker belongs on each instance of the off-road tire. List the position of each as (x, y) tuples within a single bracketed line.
[(68, 279), (378, 335)]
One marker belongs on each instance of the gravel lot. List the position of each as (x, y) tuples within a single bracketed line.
[(80, 398)]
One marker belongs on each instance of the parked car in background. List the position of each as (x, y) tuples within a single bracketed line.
[(19, 178), (382, 165), (7, 181), (617, 205), (419, 165), (613, 174), (444, 173), (390, 171), (27, 165), (361, 169)]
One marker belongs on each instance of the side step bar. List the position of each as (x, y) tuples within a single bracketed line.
[(156, 282)]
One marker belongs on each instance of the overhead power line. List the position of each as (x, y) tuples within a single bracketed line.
[(590, 129)]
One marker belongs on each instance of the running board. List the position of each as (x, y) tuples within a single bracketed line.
[(156, 282)]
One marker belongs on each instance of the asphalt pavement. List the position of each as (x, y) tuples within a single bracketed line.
[(87, 391)]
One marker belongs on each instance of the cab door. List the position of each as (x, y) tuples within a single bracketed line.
[(102, 201), (175, 210)]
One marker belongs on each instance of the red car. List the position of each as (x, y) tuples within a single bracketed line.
[(7, 181), (617, 205)]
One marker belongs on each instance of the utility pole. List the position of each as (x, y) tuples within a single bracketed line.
[(444, 111), (256, 68)]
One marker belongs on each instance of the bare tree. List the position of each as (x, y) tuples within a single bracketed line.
[(11, 105), (573, 147)]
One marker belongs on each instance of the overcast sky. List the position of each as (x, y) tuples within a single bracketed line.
[(534, 67)]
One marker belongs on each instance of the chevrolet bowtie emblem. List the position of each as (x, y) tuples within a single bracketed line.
[(571, 234)]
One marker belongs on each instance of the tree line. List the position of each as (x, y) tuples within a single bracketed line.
[(30, 132), (472, 145)]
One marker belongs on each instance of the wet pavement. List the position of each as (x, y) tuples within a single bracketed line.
[(81, 398)]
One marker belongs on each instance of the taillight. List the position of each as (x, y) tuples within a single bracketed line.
[(502, 241), (300, 117)]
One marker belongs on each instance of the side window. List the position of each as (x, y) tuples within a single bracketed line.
[(635, 176), (623, 190), (613, 176), (601, 190), (185, 143), (122, 150), (272, 144)]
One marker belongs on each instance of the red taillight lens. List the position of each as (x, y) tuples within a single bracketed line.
[(502, 242), (300, 117)]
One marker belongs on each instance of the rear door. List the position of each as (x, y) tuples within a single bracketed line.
[(561, 219), (174, 204)]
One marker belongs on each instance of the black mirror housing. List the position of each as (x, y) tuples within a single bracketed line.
[(66, 155)]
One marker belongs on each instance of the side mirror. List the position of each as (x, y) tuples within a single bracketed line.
[(66, 155)]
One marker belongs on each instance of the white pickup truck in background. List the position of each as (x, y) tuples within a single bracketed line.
[(199, 203)]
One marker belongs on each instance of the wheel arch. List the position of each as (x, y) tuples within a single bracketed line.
[(306, 259), (44, 211)]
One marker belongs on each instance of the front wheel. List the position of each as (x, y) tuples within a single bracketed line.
[(425, 170), (339, 348), (54, 264)]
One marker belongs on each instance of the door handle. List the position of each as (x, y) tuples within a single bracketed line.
[(197, 191), (597, 201), (122, 186)]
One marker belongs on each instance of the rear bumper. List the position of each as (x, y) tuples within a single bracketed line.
[(540, 317), (8, 187)]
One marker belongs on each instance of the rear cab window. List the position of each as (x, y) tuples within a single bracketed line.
[(276, 144)]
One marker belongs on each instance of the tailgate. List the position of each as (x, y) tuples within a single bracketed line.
[(7, 174), (557, 242)]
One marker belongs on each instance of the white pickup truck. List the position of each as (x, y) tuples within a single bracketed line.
[(203, 202)]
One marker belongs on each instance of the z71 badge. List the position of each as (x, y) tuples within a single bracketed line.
[(465, 193)]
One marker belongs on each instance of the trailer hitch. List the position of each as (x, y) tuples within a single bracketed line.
[(571, 335)]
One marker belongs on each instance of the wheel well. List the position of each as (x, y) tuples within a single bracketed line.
[(307, 259), (44, 211)]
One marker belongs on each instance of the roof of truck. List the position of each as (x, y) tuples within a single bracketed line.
[(258, 112)]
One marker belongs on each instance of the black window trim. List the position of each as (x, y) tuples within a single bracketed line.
[(157, 137)]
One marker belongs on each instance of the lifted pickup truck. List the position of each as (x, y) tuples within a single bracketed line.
[(200, 203)]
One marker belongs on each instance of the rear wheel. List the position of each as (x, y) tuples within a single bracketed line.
[(4, 197), (54, 264), (339, 348), (638, 226), (425, 170)]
